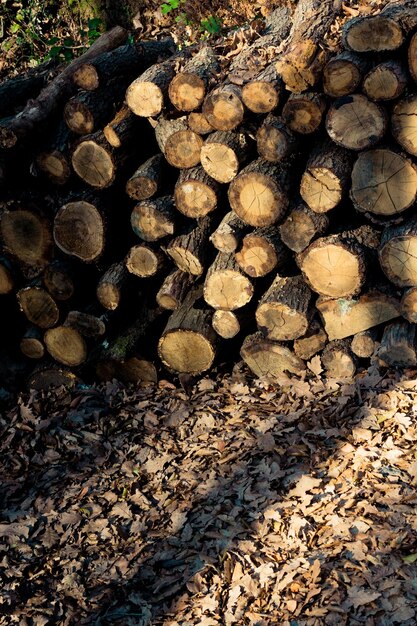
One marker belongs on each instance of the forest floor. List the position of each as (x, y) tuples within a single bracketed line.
[(240, 504)]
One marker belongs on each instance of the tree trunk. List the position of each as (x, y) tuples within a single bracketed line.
[(259, 194), (196, 194), (302, 226), (284, 310), (398, 253), (79, 230), (262, 94), (303, 113), (111, 285), (223, 107), (356, 123), (338, 360), (269, 358), (334, 266), (229, 233), (262, 251), (274, 140), (190, 251), (398, 345), (386, 81), (38, 306), (144, 261), (404, 124), (188, 343), (364, 344), (26, 235), (383, 182), (223, 153), (409, 305), (187, 89), (225, 286), (154, 219), (174, 290), (180, 145), (95, 161), (312, 342), (343, 318), (326, 178), (146, 180), (343, 74), (127, 59)]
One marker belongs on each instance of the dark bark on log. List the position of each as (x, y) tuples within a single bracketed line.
[(146, 180), (126, 59), (343, 74), (398, 345), (190, 251), (312, 342), (17, 91), (196, 194), (229, 233), (154, 219)]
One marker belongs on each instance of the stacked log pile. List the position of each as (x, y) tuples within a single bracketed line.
[(163, 207)]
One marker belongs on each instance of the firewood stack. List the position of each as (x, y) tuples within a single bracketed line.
[(163, 207)]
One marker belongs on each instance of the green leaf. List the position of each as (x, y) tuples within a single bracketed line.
[(410, 558), (14, 28), (55, 51)]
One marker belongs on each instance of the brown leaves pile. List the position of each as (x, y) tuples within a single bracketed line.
[(244, 504)]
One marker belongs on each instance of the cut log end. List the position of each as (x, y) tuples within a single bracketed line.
[(268, 358), (66, 345), (332, 270), (355, 122), (79, 230), (145, 99), (86, 77), (93, 164), (186, 351), (187, 91), (38, 306), (182, 149), (143, 261), (32, 348), (225, 323), (185, 260), (338, 361), (54, 165), (78, 118), (409, 305), (404, 124), (321, 189), (219, 161), (6, 280), (195, 198), (257, 199), (373, 34), (383, 182), (27, 236), (223, 108), (260, 96)]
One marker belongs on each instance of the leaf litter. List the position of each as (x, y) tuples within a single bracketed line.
[(243, 503)]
